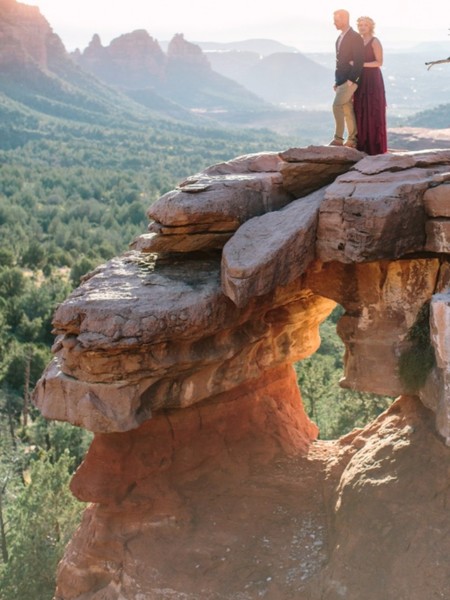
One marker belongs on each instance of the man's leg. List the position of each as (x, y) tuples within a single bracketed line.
[(343, 112), (350, 119)]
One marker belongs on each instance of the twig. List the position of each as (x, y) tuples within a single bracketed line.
[(437, 62)]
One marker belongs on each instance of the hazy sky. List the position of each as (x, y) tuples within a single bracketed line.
[(399, 22)]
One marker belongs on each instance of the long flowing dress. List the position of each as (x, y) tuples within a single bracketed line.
[(369, 102)]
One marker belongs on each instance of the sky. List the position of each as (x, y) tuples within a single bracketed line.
[(305, 24)]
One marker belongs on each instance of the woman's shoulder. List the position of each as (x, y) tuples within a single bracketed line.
[(376, 42)]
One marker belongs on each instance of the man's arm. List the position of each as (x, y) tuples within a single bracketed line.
[(358, 58)]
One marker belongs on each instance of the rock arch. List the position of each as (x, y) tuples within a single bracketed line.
[(207, 313)]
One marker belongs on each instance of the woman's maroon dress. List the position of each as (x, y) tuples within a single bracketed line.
[(369, 102)]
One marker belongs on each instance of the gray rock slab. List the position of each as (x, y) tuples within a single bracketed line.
[(152, 242), (400, 161), (438, 235), (138, 298), (373, 217), (437, 201), (260, 162), (97, 407), (270, 250), (227, 199), (323, 154)]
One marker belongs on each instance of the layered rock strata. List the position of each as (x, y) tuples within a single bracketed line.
[(178, 355)]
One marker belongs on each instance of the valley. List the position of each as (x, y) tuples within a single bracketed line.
[(89, 140)]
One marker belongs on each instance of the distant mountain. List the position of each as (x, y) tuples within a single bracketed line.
[(410, 86), (286, 78), (434, 49), (37, 72), (135, 61), (262, 47), (132, 60), (53, 110), (434, 118)]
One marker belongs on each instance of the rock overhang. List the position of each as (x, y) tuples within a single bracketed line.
[(195, 324)]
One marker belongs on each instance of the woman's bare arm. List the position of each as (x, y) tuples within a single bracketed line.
[(378, 51)]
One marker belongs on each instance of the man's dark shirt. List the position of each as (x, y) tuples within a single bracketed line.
[(351, 48)]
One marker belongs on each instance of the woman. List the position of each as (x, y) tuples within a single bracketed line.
[(369, 100)]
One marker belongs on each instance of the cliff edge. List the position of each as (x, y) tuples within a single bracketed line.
[(205, 478)]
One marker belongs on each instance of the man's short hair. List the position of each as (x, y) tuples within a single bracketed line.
[(343, 13)]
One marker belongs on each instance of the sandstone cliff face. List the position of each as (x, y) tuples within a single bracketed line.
[(135, 60), (180, 50), (204, 475), (26, 37), (132, 60)]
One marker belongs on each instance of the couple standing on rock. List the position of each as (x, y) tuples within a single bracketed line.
[(360, 101)]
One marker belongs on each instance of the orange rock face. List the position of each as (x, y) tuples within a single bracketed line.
[(251, 424), (204, 475), (390, 517), (244, 512), (163, 477)]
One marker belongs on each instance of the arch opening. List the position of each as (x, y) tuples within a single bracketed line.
[(335, 409)]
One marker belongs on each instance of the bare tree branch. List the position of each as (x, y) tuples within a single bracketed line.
[(437, 62)]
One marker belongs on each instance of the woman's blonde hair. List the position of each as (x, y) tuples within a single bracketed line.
[(368, 20)]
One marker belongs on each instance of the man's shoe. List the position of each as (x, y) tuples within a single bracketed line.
[(336, 142), (350, 144)]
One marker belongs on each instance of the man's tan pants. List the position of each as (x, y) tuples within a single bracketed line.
[(343, 112)]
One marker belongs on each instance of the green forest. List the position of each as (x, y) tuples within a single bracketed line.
[(72, 195), (80, 163)]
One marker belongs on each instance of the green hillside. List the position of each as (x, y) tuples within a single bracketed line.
[(434, 118)]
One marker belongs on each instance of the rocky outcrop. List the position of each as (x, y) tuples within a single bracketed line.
[(180, 51), (204, 474), (132, 60), (389, 519), (136, 61)]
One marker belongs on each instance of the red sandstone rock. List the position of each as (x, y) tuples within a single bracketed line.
[(134, 322), (204, 476), (220, 511), (133, 338), (382, 301), (261, 162), (377, 211), (389, 516), (167, 476)]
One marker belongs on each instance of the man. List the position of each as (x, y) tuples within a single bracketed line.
[(349, 65)]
